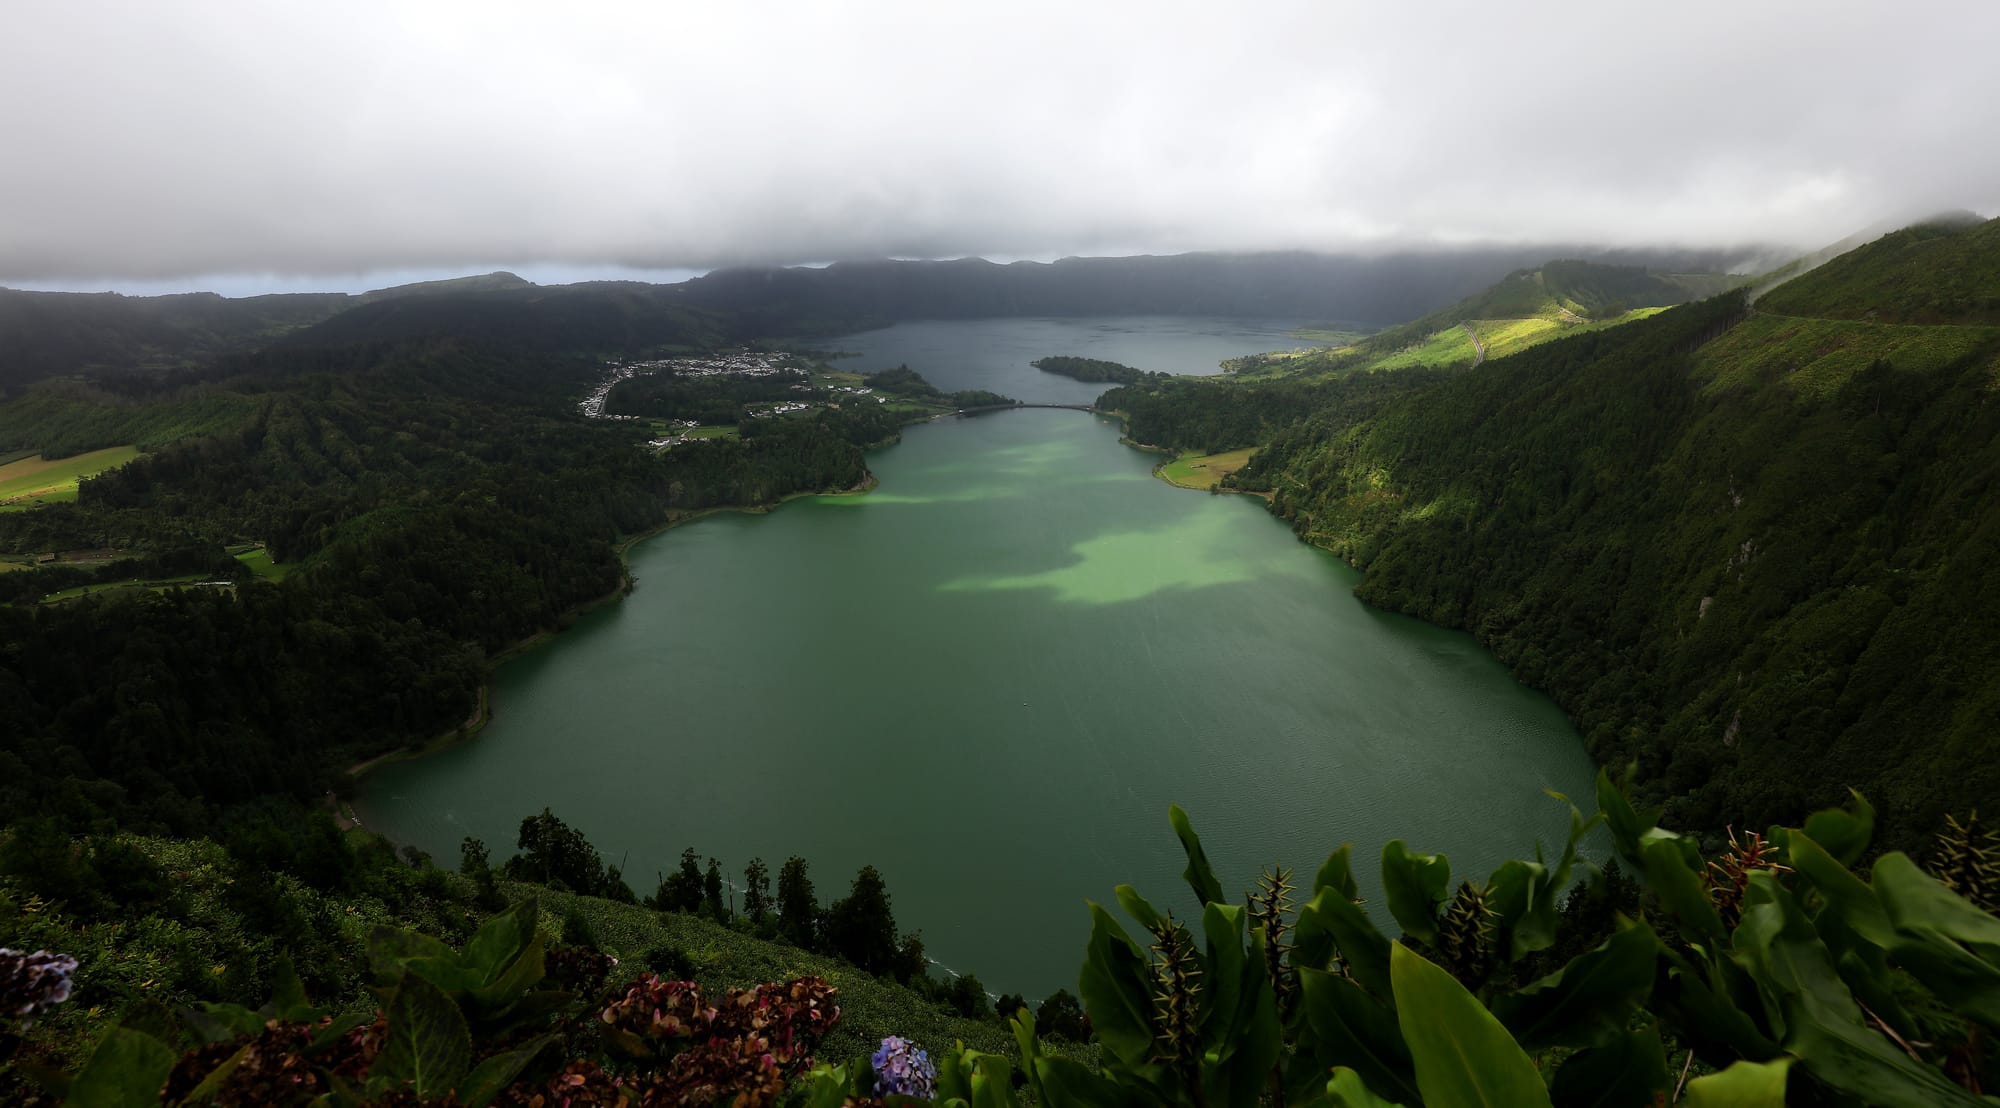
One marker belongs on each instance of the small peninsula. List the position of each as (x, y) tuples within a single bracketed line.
[(1093, 369)]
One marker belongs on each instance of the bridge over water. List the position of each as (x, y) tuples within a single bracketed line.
[(1010, 407)]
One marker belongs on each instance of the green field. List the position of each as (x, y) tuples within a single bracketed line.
[(1199, 471), (27, 482), (260, 563), (156, 584)]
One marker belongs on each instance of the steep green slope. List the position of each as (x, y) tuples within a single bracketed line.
[(1526, 308), (1945, 271), (1753, 553)]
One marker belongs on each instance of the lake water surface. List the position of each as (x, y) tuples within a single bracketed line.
[(993, 354), (988, 678)]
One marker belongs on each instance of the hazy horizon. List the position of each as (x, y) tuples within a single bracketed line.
[(244, 147)]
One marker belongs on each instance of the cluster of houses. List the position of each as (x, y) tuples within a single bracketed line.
[(745, 364)]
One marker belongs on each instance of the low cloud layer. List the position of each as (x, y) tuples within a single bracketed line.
[(146, 141)]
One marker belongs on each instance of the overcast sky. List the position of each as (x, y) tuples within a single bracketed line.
[(149, 144)]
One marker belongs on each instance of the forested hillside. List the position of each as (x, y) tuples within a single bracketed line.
[(439, 501), (1753, 551)]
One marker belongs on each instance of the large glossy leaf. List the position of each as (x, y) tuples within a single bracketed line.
[(1845, 894), (1347, 1027), (491, 1077), (1673, 872), (1243, 1062), (1332, 923), (1200, 876), (1138, 907), (1708, 1017), (1068, 1084), (1824, 1027), (1743, 1085), (1845, 833), (1222, 973), (992, 1081), (1337, 873), (426, 1042), (127, 1068), (390, 947), (499, 940), (1345, 1089), (1942, 939), (1415, 884), (1524, 895), (1589, 1000), (1463, 1057), (1116, 988), (1629, 1070), (1628, 825), (514, 985)]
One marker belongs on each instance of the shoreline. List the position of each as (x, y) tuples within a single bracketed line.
[(482, 709)]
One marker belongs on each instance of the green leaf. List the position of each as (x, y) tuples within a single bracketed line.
[(1415, 884), (516, 984), (288, 994), (1331, 923), (1742, 1085), (426, 1042), (1238, 1065), (1524, 895), (1845, 894), (1337, 873), (992, 1082), (1845, 833), (1589, 1000), (1346, 1090), (1823, 1025), (1672, 868), (1628, 825), (1347, 1027), (499, 940), (1628, 1071), (1222, 972), (1464, 1058), (1116, 988), (491, 1077), (127, 1068), (390, 947), (1200, 877), (1068, 1084), (1138, 907), (216, 1023), (206, 1090)]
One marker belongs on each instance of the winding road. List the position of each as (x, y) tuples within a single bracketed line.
[(1478, 346)]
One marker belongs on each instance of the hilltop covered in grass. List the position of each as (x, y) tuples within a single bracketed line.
[(1526, 308), (1943, 271)]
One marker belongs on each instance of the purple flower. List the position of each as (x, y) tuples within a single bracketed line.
[(902, 1068), (31, 984)]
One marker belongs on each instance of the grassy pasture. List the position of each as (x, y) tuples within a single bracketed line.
[(26, 482), (260, 563), (158, 584), (1199, 471)]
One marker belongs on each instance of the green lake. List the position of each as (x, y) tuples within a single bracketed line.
[(988, 678)]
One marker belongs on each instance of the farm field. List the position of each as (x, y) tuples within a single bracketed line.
[(27, 482), (1199, 471)]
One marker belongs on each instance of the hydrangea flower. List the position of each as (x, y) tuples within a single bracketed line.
[(31, 984), (902, 1068)]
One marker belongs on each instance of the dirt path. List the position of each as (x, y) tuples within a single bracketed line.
[(1478, 346)]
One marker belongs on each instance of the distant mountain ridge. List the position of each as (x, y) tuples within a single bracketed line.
[(57, 334)]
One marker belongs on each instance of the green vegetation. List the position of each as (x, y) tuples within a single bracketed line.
[(1945, 271), (1778, 970), (1529, 307), (1092, 369), (1203, 471), (37, 480), (259, 562)]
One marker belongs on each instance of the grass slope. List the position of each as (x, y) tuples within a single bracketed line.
[(1940, 272), (38, 480), (1202, 471)]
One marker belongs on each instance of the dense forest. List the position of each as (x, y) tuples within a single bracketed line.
[(440, 502), (1745, 547), (1092, 369)]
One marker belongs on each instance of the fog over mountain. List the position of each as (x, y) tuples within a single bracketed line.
[(151, 143)]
